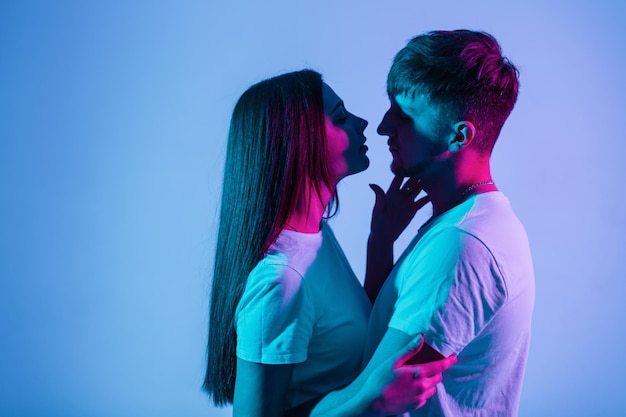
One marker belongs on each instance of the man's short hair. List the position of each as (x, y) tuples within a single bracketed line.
[(463, 72)]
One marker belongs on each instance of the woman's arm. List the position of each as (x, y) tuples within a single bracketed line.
[(393, 211), (389, 384), (260, 389), (379, 264)]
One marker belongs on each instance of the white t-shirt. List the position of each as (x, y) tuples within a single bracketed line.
[(466, 283), (303, 305)]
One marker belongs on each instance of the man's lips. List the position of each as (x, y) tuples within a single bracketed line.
[(391, 147)]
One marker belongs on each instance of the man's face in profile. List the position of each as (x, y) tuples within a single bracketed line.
[(414, 128)]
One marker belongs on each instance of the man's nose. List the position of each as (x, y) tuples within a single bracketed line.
[(383, 127)]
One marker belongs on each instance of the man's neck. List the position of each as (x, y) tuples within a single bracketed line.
[(455, 186)]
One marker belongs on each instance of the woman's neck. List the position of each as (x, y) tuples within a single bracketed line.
[(307, 217)]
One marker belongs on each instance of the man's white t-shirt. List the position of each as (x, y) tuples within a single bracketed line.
[(466, 283), (303, 305)]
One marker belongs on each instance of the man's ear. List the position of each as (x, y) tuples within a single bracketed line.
[(463, 133)]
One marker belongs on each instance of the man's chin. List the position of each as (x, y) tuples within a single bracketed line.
[(396, 169), (401, 171), (416, 171)]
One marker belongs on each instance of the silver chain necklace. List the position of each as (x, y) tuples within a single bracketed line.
[(469, 190), (458, 199)]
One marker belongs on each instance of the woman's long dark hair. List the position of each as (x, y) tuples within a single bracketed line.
[(276, 159)]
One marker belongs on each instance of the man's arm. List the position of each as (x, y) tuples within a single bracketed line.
[(384, 387)]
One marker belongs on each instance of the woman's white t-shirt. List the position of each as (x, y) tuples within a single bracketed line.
[(303, 305)]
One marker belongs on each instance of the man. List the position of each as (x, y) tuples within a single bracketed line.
[(466, 281)]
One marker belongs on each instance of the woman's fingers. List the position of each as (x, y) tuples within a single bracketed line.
[(434, 368), (413, 184), (396, 183), (422, 202), (421, 399)]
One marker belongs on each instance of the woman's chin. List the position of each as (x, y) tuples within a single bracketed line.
[(362, 166)]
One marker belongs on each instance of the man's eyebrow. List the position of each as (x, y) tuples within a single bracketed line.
[(399, 109)]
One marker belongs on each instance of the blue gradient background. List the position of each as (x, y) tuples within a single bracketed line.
[(113, 120)]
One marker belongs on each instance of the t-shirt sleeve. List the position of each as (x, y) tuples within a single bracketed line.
[(275, 316), (448, 292)]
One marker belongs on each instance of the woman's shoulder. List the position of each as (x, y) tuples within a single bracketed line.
[(273, 279), (274, 266)]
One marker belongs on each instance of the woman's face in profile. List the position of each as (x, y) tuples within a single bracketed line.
[(344, 133)]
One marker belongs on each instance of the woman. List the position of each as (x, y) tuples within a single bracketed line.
[(288, 317)]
